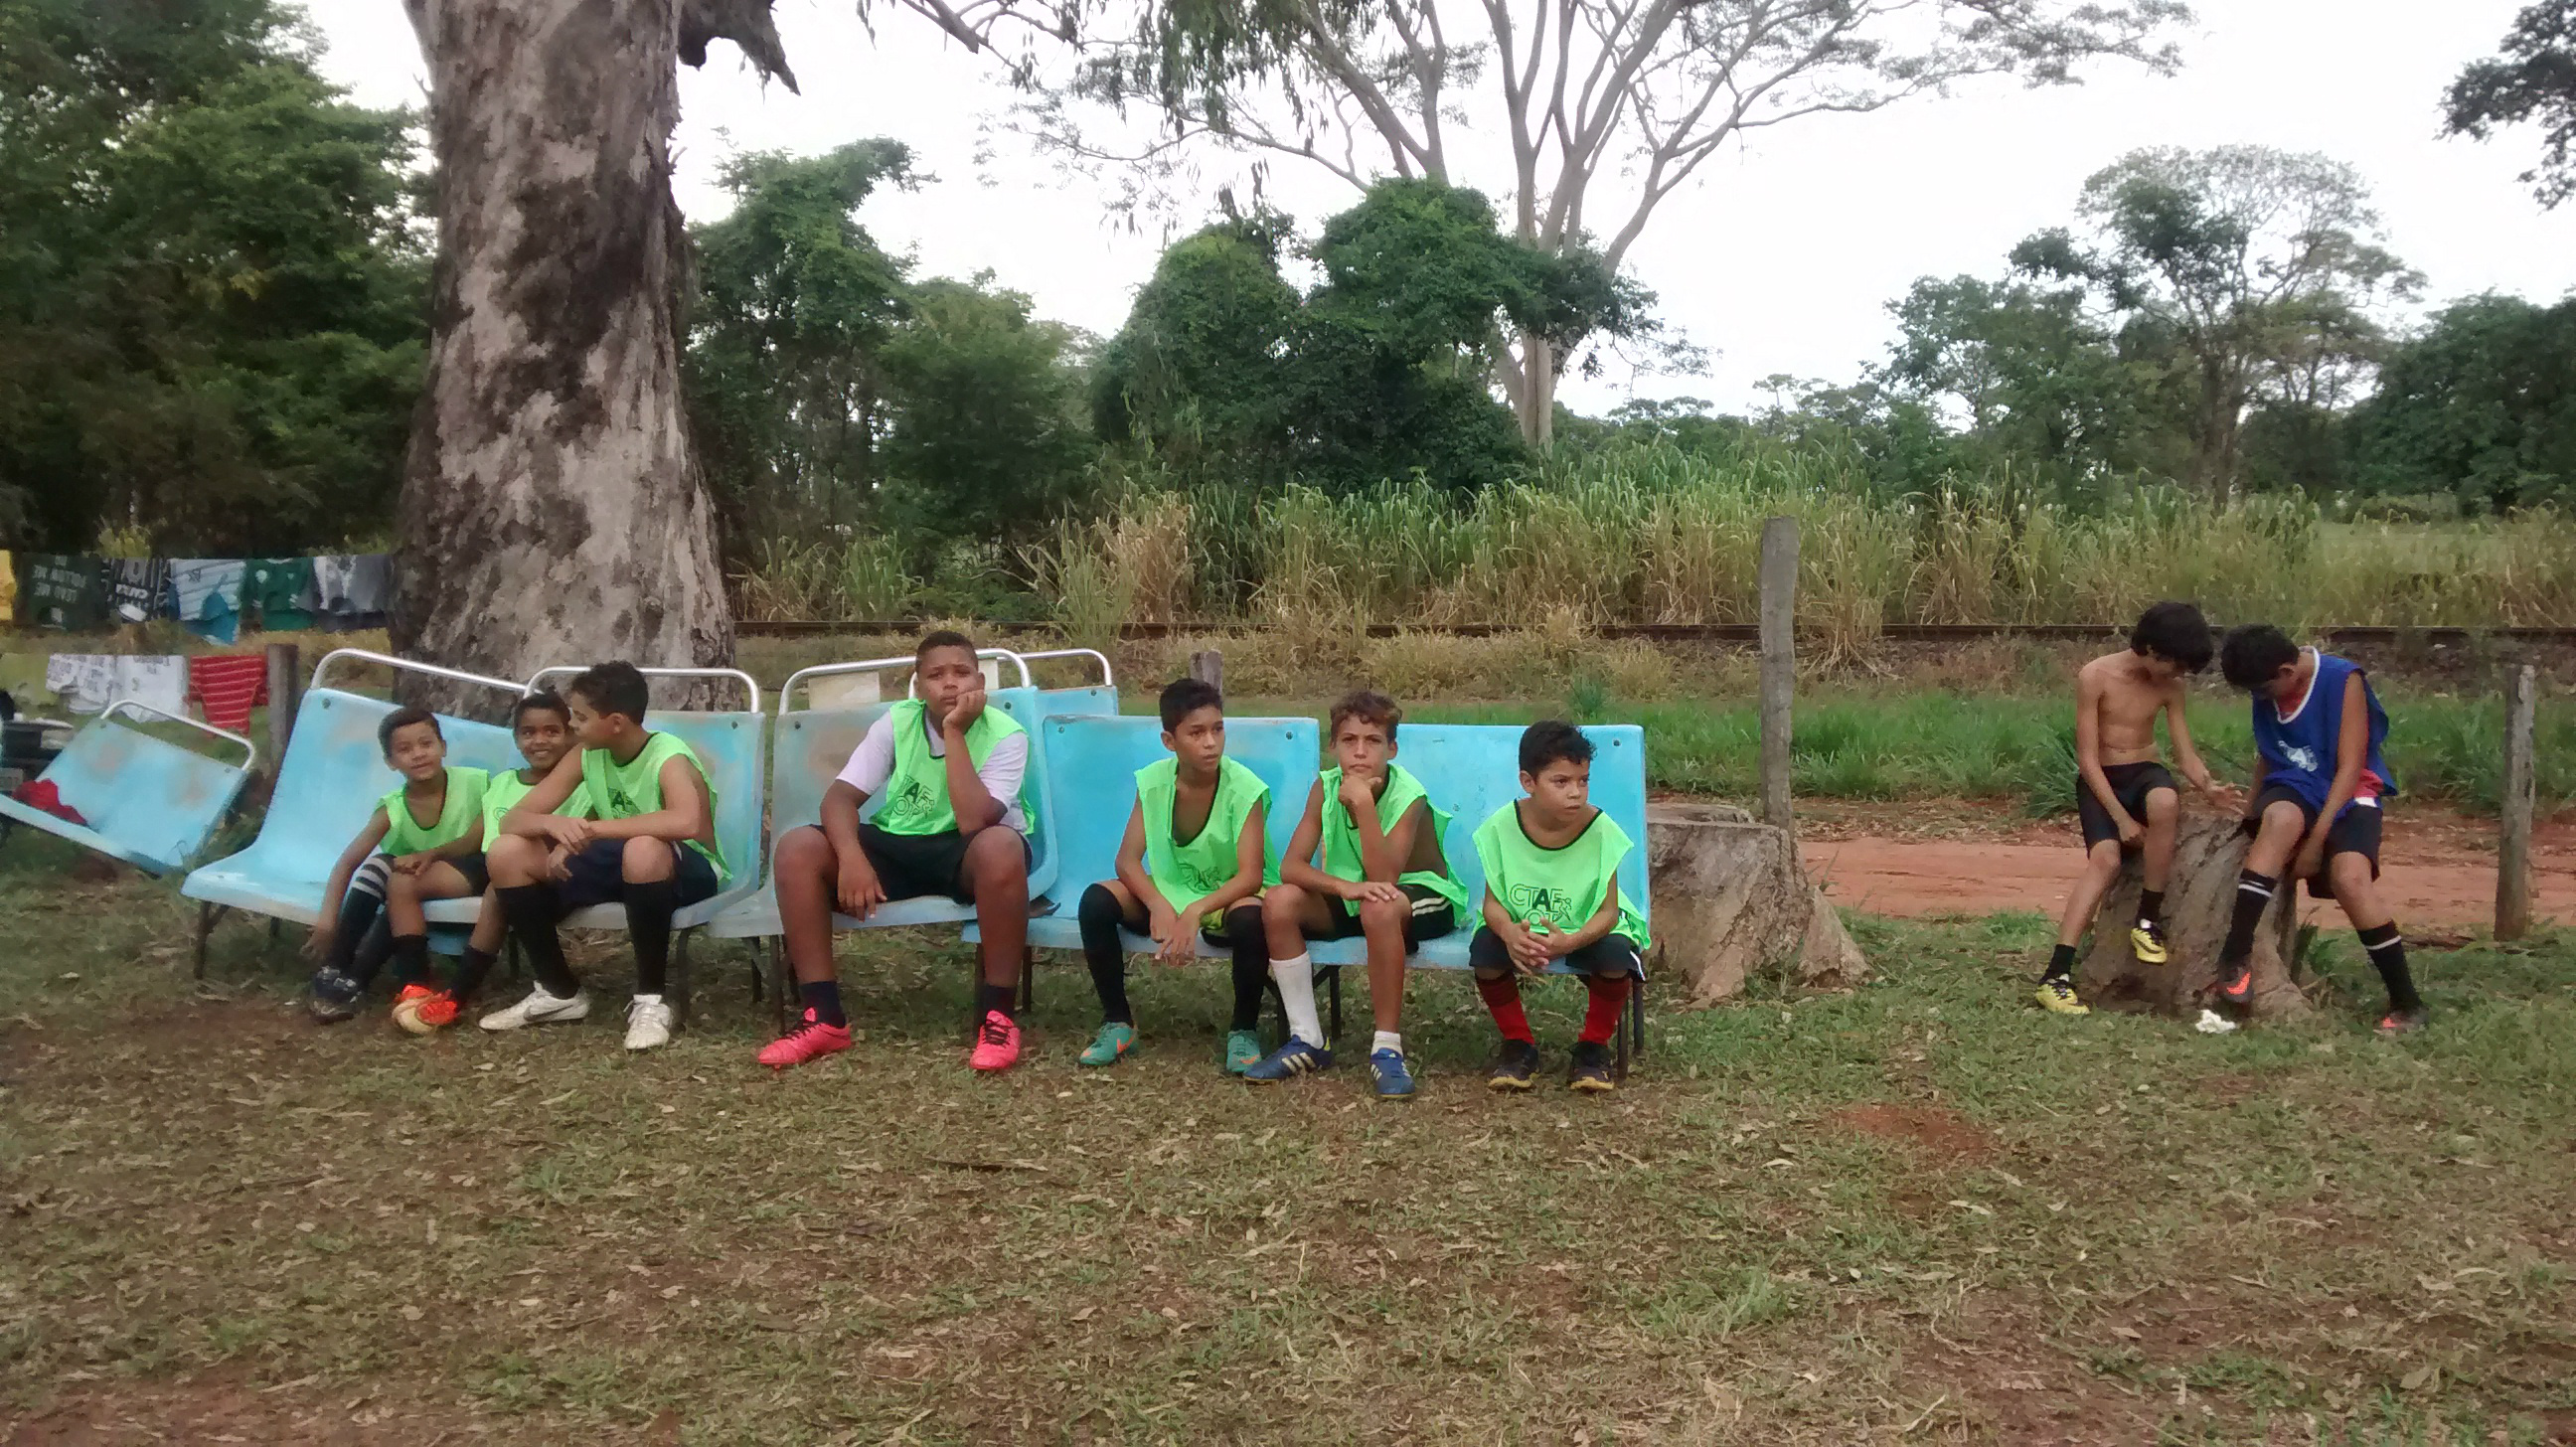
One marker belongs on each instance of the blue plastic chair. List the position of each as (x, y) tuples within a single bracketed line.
[(1473, 770), (813, 746), (328, 783), (1099, 698), (150, 802), (734, 747)]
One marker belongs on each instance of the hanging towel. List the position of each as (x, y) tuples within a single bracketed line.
[(157, 681), (134, 588), (8, 589), (208, 594), (349, 591), (62, 590), (83, 681), (276, 587), (228, 686)]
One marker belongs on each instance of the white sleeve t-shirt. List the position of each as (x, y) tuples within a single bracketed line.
[(873, 763)]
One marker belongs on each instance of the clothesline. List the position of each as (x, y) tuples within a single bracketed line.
[(336, 593), (224, 687)]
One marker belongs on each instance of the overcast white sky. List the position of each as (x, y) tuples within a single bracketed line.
[(1781, 258)]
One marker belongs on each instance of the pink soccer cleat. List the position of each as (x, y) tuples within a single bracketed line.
[(997, 1045), (810, 1041)]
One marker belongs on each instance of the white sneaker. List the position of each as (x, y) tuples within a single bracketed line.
[(648, 1023), (539, 1008)]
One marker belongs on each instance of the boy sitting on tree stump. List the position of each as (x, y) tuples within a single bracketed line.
[(2124, 795), (2318, 783)]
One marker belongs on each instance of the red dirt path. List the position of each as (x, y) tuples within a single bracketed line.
[(2436, 869)]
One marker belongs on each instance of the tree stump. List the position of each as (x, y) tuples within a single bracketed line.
[(1732, 900), (2198, 900)]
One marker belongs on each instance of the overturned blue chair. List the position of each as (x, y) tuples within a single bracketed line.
[(148, 801), (1091, 767), (734, 747), (328, 783), (1472, 770), (813, 745)]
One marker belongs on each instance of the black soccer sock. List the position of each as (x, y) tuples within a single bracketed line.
[(470, 972), (530, 910), (650, 903), (2151, 906), (823, 1001), (2253, 896), (1251, 943), (411, 960), (358, 912), (2388, 956), (992, 999), (2061, 964), (1099, 917)]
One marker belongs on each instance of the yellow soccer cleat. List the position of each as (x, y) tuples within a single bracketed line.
[(2147, 942), (2057, 995)]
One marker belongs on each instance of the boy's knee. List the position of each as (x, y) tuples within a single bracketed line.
[(805, 850), (1384, 914), (514, 860), (646, 861), (2103, 859), (2162, 805), (1282, 901), (996, 856), (2283, 817)]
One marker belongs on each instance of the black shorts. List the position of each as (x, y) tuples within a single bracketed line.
[(1432, 917), (912, 865), (598, 875), (1612, 954), (477, 877), (2357, 832), (2130, 783)]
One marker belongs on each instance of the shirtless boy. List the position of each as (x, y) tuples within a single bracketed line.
[(2124, 795)]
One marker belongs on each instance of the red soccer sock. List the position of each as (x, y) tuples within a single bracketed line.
[(1601, 1016), (1503, 997)]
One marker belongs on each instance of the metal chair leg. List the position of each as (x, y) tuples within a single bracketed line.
[(207, 914), (680, 980), (779, 983), (758, 968), (1028, 979), (1333, 987)]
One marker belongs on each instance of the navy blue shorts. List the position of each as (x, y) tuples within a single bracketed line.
[(598, 875), (1613, 954)]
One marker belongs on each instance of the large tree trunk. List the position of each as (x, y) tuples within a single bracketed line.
[(2199, 898), (552, 510), (1533, 399)]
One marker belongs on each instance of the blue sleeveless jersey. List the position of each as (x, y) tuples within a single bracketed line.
[(2299, 751)]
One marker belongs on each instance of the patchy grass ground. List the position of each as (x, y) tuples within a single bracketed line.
[(1920, 1212)]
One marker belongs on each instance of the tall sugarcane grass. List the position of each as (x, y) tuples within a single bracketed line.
[(1658, 536)]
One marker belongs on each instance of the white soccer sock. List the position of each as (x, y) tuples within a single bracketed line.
[(1296, 979), (1387, 1040)]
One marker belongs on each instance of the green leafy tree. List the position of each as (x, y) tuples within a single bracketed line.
[(1198, 370), (2481, 404), (796, 302), (211, 282), (988, 438), (2532, 83), (2260, 266)]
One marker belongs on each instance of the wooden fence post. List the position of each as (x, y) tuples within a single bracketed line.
[(285, 692), (1779, 662), (1207, 665), (2521, 788)]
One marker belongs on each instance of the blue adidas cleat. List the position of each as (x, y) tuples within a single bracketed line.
[(1388, 1073), (1290, 1061)]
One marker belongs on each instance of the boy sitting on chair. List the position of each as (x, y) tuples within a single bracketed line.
[(431, 831), (953, 823), (652, 847), (1552, 893), (2124, 798), (1383, 876), (2318, 783), (1193, 864), (541, 724)]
